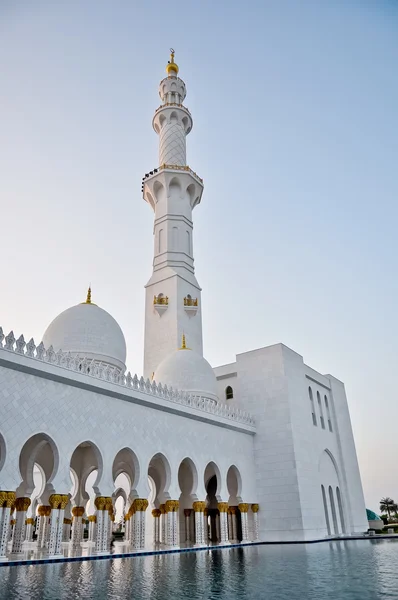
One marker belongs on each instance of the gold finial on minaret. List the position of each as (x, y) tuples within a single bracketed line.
[(183, 343), (88, 299), (172, 67)]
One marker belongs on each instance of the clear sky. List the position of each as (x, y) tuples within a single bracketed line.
[(296, 136)]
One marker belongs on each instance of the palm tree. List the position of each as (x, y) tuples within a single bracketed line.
[(387, 505)]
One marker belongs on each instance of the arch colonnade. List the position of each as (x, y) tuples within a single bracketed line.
[(206, 506)]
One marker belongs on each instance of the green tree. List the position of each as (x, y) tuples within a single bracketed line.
[(388, 505)]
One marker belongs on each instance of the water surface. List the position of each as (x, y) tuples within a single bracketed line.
[(346, 570)]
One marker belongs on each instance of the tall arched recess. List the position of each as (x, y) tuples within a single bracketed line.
[(331, 498)]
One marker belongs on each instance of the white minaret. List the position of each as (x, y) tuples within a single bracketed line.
[(173, 303)]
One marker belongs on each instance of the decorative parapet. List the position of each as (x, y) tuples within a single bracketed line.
[(160, 299), (191, 306), (106, 372), (188, 301), (173, 168), (160, 303)]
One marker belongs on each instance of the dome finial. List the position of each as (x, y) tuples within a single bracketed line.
[(88, 299), (172, 67)]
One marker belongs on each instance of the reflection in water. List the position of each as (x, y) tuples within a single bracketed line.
[(346, 570)]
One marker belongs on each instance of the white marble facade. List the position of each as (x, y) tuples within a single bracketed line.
[(260, 449)]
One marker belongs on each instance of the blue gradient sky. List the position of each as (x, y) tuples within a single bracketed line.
[(296, 136)]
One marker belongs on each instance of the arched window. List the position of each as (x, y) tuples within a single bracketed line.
[(318, 396), (229, 392), (328, 414), (312, 406)]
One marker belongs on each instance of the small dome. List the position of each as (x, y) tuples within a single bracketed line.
[(187, 371), (88, 331)]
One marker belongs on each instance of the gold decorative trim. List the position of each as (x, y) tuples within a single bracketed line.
[(223, 507), (255, 507), (199, 506), (243, 507), (171, 506)]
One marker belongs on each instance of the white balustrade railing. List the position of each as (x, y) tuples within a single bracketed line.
[(106, 372)]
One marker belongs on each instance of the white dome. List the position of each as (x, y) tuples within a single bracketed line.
[(187, 371), (88, 331)]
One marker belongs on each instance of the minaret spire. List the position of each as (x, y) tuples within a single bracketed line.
[(173, 190)]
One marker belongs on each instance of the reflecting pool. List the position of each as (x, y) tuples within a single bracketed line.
[(348, 570)]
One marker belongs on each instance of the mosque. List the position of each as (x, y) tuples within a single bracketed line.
[(261, 449)]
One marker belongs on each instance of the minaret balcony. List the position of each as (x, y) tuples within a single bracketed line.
[(191, 305), (160, 303)]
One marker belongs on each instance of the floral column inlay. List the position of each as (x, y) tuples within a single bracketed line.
[(99, 502), (255, 508), (21, 506), (244, 508), (171, 508), (77, 526), (29, 529), (223, 508), (199, 508), (163, 519), (7, 499), (156, 525), (91, 527), (140, 505)]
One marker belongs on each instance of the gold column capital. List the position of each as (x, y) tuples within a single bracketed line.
[(29, 521), (232, 510), (100, 502), (162, 509), (22, 504), (92, 519), (7, 499), (108, 503), (127, 517), (187, 512), (199, 506), (156, 513), (223, 507), (243, 507), (78, 511), (171, 506), (55, 500), (255, 507), (140, 504), (64, 501), (67, 521)]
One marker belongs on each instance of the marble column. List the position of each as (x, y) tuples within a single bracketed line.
[(41, 526), (218, 527), (91, 528), (244, 508), (229, 522), (106, 524), (66, 530), (7, 499), (171, 508), (11, 530), (255, 508), (127, 519), (58, 503), (233, 523), (132, 531), (140, 505), (21, 506), (223, 509), (29, 529), (198, 508), (163, 519), (99, 502), (187, 514), (206, 526), (77, 527), (156, 525)]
